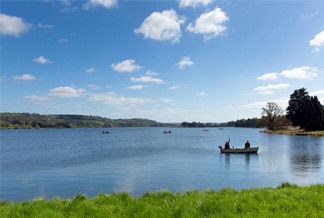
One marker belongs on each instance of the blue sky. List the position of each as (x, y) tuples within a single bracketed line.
[(170, 61)]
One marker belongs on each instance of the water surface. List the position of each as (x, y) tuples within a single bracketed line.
[(64, 162)]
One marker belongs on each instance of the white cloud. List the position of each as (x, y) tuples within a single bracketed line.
[(202, 94), (62, 41), (42, 60), (209, 24), (194, 3), (174, 87), (113, 99), (65, 2), (126, 66), (25, 77), (162, 26), (36, 98), (90, 70), (269, 89), (44, 26), (255, 104), (12, 26), (165, 100), (269, 76), (280, 102), (317, 41), (318, 92), (302, 73), (92, 86), (136, 87), (147, 79), (95, 3), (151, 73), (66, 92), (184, 62)]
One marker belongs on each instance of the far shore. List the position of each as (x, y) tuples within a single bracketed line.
[(295, 132)]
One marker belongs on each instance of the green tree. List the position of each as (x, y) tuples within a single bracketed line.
[(271, 112), (314, 119), (297, 107), (305, 111)]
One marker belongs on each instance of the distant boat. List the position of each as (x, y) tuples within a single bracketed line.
[(251, 150), (166, 131), (105, 132), (205, 130)]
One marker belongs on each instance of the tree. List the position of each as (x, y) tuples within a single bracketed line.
[(271, 112), (297, 107), (305, 111), (314, 119)]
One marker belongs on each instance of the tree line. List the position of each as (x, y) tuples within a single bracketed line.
[(33, 120), (303, 110)]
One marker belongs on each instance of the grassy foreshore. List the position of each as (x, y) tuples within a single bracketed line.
[(296, 132), (284, 201)]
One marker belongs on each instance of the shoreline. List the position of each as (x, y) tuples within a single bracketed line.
[(295, 132)]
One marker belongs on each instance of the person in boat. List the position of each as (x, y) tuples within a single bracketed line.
[(227, 144), (247, 144)]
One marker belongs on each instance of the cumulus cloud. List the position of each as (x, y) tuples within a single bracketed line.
[(317, 41), (12, 26), (136, 87), (162, 26), (194, 3), (25, 77), (184, 62), (268, 76), (126, 66), (42, 60), (269, 89), (113, 99), (302, 73), (66, 92), (96, 3), (209, 24), (147, 79)]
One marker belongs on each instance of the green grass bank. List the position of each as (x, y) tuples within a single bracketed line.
[(284, 201)]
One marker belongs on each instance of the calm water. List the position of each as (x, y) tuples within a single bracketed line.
[(64, 162)]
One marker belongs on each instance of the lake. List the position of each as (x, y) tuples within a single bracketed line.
[(65, 162)]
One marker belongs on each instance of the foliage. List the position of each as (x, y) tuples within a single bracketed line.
[(27, 120), (284, 201), (271, 112), (250, 123), (305, 111)]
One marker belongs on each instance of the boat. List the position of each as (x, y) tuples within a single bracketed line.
[(251, 150), (166, 131), (105, 132)]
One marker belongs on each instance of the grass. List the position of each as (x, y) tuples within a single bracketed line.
[(284, 201), (296, 132)]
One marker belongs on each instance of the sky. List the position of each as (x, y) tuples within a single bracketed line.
[(169, 61)]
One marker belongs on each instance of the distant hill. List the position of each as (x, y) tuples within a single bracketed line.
[(28, 121)]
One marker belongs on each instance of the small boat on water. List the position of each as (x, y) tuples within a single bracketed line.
[(167, 132), (251, 150), (105, 132)]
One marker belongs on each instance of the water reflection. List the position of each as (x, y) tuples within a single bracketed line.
[(247, 159), (305, 155)]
